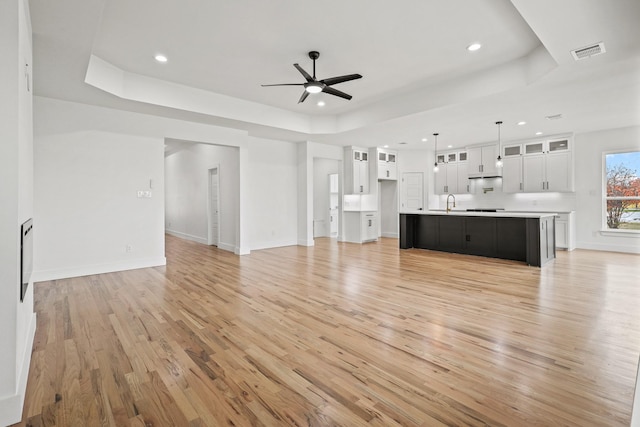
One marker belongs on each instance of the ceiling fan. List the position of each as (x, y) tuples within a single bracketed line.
[(314, 85)]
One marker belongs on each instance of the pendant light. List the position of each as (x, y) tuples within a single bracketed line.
[(435, 164), (499, 160)]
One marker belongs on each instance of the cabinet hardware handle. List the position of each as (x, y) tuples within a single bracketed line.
[(361, 188), (520, 186)]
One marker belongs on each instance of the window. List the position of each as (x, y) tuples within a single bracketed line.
[(622, 198)]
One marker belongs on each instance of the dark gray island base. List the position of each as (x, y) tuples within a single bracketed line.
[(518, 236)]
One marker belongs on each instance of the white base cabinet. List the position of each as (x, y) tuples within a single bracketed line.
[(360, 227), (566, 231)]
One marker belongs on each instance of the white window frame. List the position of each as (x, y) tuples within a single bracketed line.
[(605, 230)]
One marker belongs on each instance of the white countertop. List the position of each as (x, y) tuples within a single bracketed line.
[(499, 214)]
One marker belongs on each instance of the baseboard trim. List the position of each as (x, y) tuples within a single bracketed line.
[(226, 247), (88, 270), (269, 245), (630, 249), (241, 250), (392, 235), (11, 406), (304, 242), (186, 236)]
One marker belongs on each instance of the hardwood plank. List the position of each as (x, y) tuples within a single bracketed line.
[(339, 334)]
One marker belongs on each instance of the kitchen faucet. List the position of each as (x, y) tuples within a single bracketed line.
[(454, 202)]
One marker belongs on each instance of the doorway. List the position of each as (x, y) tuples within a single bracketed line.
[(326, 197), (213, 207)]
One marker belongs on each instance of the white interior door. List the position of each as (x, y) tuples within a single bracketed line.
[(214, 207), (412, 198)]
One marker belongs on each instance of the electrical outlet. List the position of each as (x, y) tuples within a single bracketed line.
[(128, 248), (144, 194)]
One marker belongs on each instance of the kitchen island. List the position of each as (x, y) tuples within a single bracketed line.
[(521, 236)]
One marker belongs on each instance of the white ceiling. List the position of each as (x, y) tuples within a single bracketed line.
[(418, 78)]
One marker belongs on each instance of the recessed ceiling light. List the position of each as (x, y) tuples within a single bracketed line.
[(424, 139), (449, 146), (473, 47), (161, 58), (385, 146), (522, 123), (321, 104), (538, 133)]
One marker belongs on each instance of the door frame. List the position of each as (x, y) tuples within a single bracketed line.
[(403, 190), (210, 226)]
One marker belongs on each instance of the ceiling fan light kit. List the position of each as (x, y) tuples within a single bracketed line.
[(313, 85)]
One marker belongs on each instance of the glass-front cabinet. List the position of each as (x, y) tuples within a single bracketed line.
[(538, 166)]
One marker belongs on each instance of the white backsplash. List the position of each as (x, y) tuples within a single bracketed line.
[(483, 197)]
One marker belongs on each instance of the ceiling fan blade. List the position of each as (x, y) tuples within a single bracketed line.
[(335, 80), (304, 73), (303, 97), (285, 84), (332, 91)]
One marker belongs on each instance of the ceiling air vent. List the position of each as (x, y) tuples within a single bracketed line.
[(588, 52), (553, 117)]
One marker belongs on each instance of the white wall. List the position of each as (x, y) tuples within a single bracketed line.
[(132, 149), (187, 186), (90, 218), (272, 193), (589, 188), (16, 201)]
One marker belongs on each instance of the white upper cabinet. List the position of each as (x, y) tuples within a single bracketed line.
[(548, 166), (482, 162), (387, 165), (512, 169), (452, 175), (356, 171)]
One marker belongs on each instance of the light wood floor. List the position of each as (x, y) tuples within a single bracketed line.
[(339, 334)]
